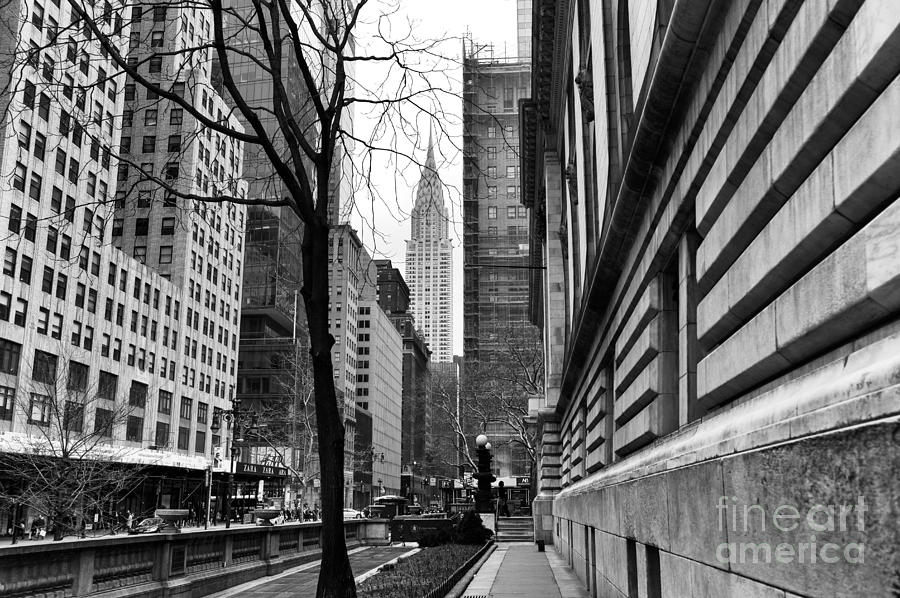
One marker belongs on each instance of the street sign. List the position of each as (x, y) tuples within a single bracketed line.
[(523, 481)]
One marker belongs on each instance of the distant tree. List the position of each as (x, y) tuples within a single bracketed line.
[(286, 430), (493, 395), (65, 467)]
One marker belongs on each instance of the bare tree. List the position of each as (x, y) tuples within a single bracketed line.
[(66, 467), (494, 395), (286, 432)]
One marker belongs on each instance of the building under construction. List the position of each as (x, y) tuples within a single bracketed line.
[(495, 244)]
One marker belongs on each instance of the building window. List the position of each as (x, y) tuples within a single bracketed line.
[(73, 417), (134, 429), (187, 406), (103, 422), (492, 212), (200, 443), (168, 226), (184, 438), (9, 357), (39, 409), (140, 253), (137, 396), (78, 377), (202, 412), (44, 368), (141, 227), (7, 402), (165, 254), (107, 385), (162, 434), (165, 402)]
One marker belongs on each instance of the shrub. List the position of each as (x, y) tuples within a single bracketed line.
[(416, 576), (471, 530)]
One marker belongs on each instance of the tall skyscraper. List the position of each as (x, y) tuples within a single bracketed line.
[(273, 376), (495, 245), (495, 242), (429, 263)]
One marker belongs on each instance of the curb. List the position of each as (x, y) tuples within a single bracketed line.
[(364, 576)]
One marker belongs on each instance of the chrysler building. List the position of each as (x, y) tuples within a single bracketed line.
[(429, 265)]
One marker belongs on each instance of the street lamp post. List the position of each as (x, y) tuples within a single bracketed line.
[(483, 501), (241, 421)]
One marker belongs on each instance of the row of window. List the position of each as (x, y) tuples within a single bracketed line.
[(511, 212), (512, 172), (45, 371), (512, 152)]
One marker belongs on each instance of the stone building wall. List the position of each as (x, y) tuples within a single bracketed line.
[(728, 387)]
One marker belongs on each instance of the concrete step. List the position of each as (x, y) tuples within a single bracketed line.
[(502, 525), (515, 529), (507, 537)]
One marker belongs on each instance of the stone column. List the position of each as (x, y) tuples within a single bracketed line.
[(550, 449)]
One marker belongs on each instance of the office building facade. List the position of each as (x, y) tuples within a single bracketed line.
[(379, 392), (100, 298)]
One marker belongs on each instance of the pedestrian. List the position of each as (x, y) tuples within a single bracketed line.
[(503, 506), (129, 520), (18, 531), (37, 528)]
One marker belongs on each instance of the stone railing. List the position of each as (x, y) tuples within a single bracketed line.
[(191, 563)]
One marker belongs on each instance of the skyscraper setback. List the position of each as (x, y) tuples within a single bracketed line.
[(429, 263)]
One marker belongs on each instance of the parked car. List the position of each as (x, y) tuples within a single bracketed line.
[(352, 514), (150, 525)]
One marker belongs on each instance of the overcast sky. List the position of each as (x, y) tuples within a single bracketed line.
[(384, 225)]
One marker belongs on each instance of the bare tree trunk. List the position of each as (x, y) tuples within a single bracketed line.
[(335, 574)]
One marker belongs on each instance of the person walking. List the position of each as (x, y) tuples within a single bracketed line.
[(129, 520), (18, 531), (37, 528)]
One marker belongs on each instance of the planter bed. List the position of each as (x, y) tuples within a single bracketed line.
[(430, 573)]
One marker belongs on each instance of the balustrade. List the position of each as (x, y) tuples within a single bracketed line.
[(140, 565)]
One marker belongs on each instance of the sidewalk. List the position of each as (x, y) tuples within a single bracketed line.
[(518, 569)]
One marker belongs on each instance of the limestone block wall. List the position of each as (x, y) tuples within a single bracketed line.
[(747, 361)]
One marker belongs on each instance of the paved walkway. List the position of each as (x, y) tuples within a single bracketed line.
[(518, 569), (302, 580)]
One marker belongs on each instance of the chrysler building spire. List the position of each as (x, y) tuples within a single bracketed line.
[(429, 265)]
